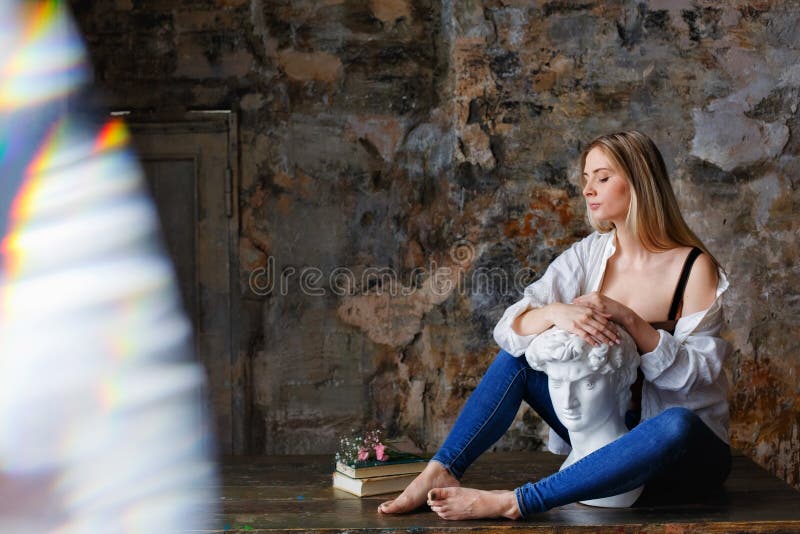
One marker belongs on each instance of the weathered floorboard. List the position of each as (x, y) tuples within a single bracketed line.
[(294, 493)]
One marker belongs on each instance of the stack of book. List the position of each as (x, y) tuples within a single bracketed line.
[(374, 477)]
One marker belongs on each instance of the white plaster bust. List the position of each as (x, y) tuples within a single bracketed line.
[(590, 390)]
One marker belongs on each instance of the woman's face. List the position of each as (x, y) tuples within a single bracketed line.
[(583, 399), (607, 191)]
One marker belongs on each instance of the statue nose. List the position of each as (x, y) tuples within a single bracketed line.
[(572, 399)]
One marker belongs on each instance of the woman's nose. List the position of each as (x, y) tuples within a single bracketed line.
[(588, 190)]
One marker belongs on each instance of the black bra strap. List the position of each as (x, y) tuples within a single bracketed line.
[(678, 297)]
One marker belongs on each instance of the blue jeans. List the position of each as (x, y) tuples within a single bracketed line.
[(672, 452)]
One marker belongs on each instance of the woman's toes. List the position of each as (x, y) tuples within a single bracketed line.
[(384, 505), (440, 494), (415, 494), (397, 506)]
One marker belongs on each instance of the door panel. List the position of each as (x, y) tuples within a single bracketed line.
[(188, 163), (173, 183)]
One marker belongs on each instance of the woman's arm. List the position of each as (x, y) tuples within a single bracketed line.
[(645, 336), (533, 321), (701, 287), (561, 282), (546, 303), (593, 326)]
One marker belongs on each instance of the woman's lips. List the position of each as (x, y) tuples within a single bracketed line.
[(571, 415), (593, 205)]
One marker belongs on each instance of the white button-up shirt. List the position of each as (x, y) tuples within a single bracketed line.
[(685, 368)]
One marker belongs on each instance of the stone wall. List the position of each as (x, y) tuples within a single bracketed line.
[(421, 155)]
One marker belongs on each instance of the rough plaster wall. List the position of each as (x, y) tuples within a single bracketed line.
[(440, 137), (716, 85)]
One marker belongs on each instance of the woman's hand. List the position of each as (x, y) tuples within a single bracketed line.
[(610, 308), (593, 326), (645, 336)]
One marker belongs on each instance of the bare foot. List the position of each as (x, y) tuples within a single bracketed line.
[(433, 476), (467, 503)]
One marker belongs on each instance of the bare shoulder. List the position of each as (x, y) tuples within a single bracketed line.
[(701, 287)]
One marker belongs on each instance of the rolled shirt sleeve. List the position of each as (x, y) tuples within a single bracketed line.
[(686, 368), (694, 355), (683, 365)]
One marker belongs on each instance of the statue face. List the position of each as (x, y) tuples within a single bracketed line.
[(583, 399)]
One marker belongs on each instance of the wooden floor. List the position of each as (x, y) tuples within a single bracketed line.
[(294, 494)]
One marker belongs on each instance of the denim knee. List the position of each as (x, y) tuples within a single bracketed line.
[(517, 360), (679, 423), (697, 454)]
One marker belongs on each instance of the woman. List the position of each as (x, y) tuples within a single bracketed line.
[(644, 269)]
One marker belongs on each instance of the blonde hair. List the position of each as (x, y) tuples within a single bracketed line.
[(653, 214)]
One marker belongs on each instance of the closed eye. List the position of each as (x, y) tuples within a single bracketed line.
[(604, 179)]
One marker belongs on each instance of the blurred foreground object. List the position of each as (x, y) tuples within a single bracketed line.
[(101, 410)]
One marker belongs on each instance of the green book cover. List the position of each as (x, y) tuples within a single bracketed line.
[(395, 457)]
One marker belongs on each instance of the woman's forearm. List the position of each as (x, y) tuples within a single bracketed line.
[(533, 321), (593, 326), (645, 336)]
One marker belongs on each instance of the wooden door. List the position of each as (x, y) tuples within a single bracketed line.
[(189, 162)]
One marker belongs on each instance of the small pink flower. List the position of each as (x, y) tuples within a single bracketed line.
[(363, 454), (380, 452)]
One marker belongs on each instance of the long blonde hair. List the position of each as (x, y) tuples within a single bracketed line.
[(653, 213)]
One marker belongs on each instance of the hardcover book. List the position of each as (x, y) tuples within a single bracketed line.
[(365, 487), (399, 463)]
